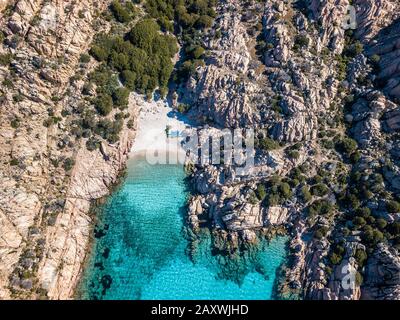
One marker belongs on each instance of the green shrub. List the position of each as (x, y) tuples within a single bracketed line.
[(253, 198), (293, 154), (268, 144), (14, 162), (359, 279), (121, 13), (348, 146), (335, 258), (121, 97), (375, 59), (109, 130), (84, 58), (354, 50), (393, 206), (15, 123), (306, 194), (261, 192), (319, 190), (302, 41), (98, 53), (183, 108), (103, 104), (92, 144), (5, 59), (320, 207), (68, 164), (361, 257)]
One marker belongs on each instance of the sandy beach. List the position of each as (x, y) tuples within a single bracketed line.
[(151, 138)]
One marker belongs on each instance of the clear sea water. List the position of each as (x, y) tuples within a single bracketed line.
[(142, 253)]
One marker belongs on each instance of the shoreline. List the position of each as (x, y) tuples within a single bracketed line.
[(149, 139), (156, 118)]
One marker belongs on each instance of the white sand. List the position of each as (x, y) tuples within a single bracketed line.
[(151, 138)]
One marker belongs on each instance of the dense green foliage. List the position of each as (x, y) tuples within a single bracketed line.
[(188, 14), (191, 17), (320, 207), (143, 61), (267, 144), (122, 12)]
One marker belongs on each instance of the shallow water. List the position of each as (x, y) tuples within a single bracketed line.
[(143, 252)]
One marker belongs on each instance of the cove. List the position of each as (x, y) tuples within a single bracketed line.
[(141, 251)]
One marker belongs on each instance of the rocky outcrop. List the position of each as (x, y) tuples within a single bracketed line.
[(314, 71), (69, 238), (331, 15), (382, 275), (373, 16), (386, 47), (227, 89)]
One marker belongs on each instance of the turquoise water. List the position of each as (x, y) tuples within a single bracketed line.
[(141, 251)]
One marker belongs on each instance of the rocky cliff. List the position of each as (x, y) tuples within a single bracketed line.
[(326, 122), (49, 179)]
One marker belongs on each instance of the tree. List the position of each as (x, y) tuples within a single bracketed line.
[(128, 78), (197, 52), (119, 61), (121, 97), (165, 24), (320, 233), (306, 194), (322, 206), (186, 69), (335, 258), (373, 236), (394, 228), (204, 22), (285, 190), (393, 206), (319, 190), (120, 12), (359, 222), (100, 54), (261, 192), (143, 34), (103, 104), (68, 164), (361, 257), (268, 144), (348, 146), (381, 223)]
